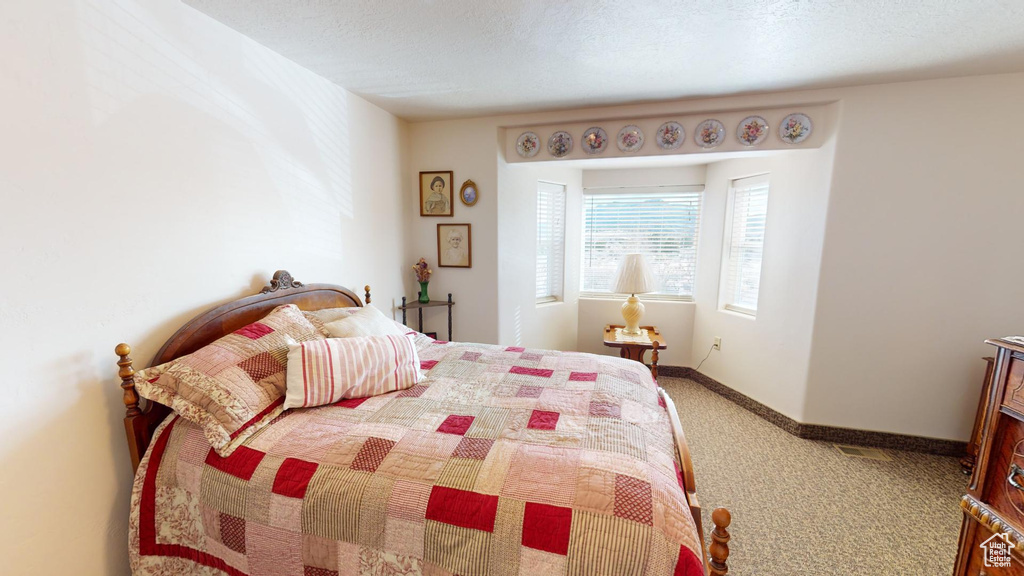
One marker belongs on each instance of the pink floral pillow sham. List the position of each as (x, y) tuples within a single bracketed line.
[(234, 386)]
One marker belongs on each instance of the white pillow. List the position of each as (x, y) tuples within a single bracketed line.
[(366, 321)]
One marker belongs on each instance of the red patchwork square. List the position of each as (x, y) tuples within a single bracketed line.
[(633, 500), (529, 392), (543, 420), (293, 477), (232, 532), (351, 402), (679, 475), (261, 366), (541, 372), (242, 463), (427, 364), (605, 409), (314, 571), (456, 425), (462, 508), (688, 564), (473, 448), (372, 453), (514, 349), (254, 331), (547, 527), (583, 376), (414, 392)]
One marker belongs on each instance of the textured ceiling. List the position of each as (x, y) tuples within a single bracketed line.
[(445, 58)]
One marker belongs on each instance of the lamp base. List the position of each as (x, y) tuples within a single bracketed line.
[(632, 311)]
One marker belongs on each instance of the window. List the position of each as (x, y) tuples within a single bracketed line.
[(550, 241), (744, 244), (659, 222)]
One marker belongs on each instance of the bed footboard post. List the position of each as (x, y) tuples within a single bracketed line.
[(367, 290), (127, 375), (719, 549), (654, 360)]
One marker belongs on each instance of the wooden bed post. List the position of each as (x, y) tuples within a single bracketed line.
[(367, 289), (719, 550), (134, 419), (654, 360), (126, 373)]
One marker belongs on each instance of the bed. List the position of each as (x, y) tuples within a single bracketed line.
[(504, 460)]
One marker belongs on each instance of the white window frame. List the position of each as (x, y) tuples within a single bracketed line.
[(555, 267), (642, 190), (728, 289)]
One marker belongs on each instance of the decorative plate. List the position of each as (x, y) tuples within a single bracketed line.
[(709, 133), (595, 140), (560, 144), (528, 144), (630, 139), (670, 135), (752, 130), (795, 128)]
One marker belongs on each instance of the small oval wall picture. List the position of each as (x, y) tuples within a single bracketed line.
[(468, 193)]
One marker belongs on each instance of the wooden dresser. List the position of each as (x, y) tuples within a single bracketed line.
[(994, 503)]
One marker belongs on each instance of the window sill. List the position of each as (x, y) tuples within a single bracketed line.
[(642, 297), (548, 302), (741, 312)]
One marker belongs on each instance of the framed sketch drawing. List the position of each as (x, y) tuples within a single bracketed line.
[(436, 194), (454, 246)]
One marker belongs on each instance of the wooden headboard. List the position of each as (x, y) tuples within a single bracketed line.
[(141, 420)]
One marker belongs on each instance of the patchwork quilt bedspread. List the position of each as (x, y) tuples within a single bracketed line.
[(503, 461)]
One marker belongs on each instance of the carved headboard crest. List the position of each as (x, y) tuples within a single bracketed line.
[(282, 280)]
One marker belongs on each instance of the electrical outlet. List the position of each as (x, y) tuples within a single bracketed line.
[(718, 343)]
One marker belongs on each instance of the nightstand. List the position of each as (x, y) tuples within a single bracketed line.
[(636, 350)]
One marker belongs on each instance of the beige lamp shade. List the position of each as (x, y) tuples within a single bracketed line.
[(633, 276)]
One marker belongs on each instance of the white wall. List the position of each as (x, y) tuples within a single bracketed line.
[(922, 256), (153, 163), (469, 148), (766, 357), (687, 175), (521, 321)]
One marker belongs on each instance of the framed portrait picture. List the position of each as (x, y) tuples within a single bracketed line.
[(436, 194), (454, 246), (468, 193)]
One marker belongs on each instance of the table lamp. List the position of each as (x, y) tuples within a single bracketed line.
[(633, 277)]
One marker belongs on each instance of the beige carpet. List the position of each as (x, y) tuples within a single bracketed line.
[(801, 507)]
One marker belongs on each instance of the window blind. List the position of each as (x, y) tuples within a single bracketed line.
[(550, 241), (662, 223), (748, 211)]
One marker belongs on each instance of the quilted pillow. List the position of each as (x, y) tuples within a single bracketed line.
[(367, 321), (326, 371), (234, 386)]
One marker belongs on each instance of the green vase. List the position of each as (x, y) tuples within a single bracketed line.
[(424, 297)]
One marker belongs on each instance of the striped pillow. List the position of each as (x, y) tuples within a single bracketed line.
[(326, 371)]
